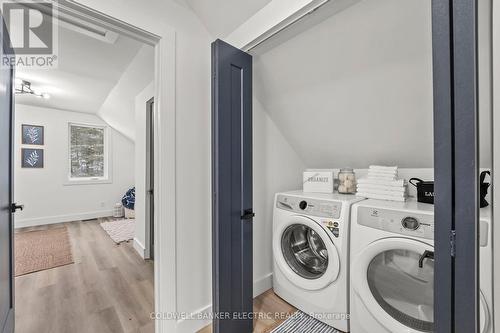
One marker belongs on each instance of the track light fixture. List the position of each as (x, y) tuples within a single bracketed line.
[(23, 87)]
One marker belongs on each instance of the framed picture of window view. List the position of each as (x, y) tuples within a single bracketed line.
[(31, 158), (32, 135)]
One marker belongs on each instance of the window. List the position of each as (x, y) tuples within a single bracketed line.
[(88, 154)]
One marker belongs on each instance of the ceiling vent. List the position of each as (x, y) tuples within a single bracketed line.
[(67, 20), (87, 29)]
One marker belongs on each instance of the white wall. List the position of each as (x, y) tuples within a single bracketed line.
[(355, 89), (496, 157), (276, 168), (192, 141), (485, 77), (214, 13), (118, 110), (43, 191), (140, 239)]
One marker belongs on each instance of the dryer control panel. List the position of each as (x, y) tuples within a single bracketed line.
[(399, 222), (313, 207)]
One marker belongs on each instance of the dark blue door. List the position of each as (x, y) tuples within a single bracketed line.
[(232, 189), (6, 186), (456, 172)]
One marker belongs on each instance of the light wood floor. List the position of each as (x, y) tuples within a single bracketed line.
[(109, 288), (270, 304)]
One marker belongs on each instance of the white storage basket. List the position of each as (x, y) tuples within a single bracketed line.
[(118, 210)]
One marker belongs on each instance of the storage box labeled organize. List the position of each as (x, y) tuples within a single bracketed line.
[(320, 181)]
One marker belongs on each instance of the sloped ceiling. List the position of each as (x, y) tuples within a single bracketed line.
[(222, 17), (88, 70), (118, 110), (355, 89)]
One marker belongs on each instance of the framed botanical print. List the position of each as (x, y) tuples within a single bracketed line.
[(32, 135), (31, 158)]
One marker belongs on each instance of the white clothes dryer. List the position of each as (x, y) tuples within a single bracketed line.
[(392, 268), (311, 258)]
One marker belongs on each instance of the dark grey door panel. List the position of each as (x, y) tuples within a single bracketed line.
[(6, 193), (456, 296), (466, 169), (150, 142), (232, 188), (443, 166)]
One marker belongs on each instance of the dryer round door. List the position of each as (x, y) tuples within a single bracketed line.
[(398, 292), (305, 253)]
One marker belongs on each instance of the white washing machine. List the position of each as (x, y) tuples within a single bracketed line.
[(310, 248), (392, 281)]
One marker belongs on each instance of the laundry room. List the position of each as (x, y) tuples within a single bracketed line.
[(347, 87)]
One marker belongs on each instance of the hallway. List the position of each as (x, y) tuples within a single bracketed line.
[(109, 288)]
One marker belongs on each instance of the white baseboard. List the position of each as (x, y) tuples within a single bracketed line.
[(193, 325), (21, 223), (139, 248), (263, 284)]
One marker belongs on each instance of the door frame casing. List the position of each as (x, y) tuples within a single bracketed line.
[(164, 42)]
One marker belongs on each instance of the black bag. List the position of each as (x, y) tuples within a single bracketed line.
[(425, 189), (483, 189)]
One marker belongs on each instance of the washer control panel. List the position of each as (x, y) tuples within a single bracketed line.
[(398, 222), (313, 207)]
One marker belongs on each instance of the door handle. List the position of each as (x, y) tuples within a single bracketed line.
[(426, 254), (248, 214), (14, 207)]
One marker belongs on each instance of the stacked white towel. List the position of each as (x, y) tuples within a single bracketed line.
[(382, 183)]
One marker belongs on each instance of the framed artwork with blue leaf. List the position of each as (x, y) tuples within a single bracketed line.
[(32, 135), (31, 158)]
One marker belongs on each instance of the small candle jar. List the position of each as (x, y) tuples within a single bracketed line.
[(347, 181)]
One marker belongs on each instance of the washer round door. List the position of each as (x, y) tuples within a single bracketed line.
[(305, 253), (398, 292)]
